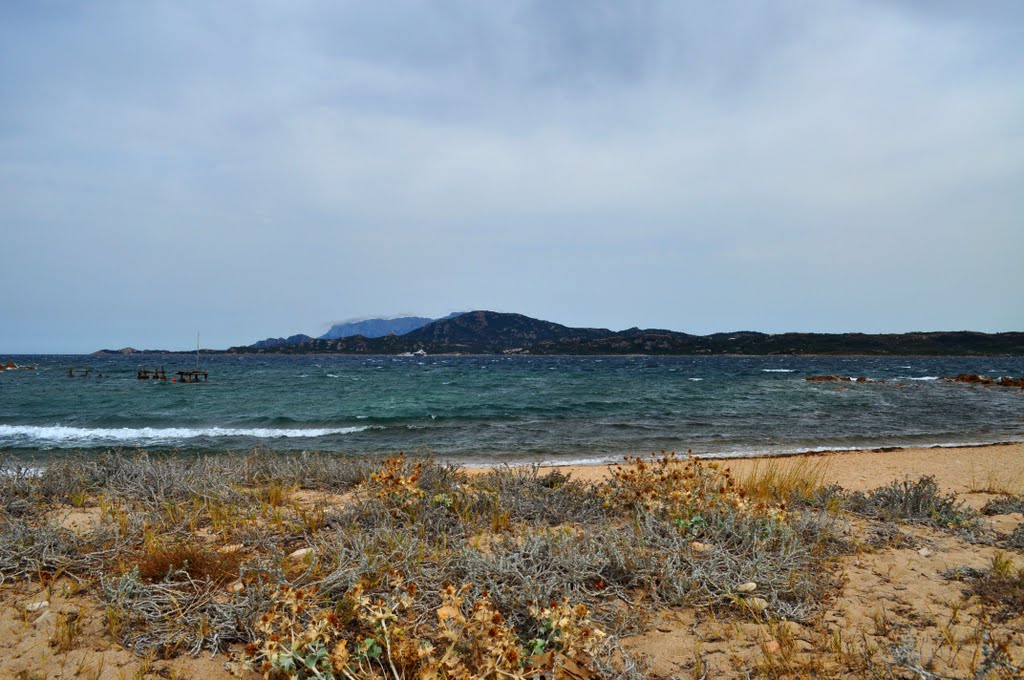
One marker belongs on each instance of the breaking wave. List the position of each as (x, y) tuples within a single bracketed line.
[(61, 435)]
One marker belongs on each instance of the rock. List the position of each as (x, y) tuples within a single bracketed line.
[(772, 646), (237, 587), (971, 378), (829, 378), (924, 552), (300, 554), (36, 606), (747, 587), (757, 604), (697, 546)]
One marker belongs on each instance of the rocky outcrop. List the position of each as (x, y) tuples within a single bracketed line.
[(11, 366), (975, 379), (831, 378)]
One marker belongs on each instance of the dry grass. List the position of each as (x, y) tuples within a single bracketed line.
[(160, 561), (997, 483), (795, 482)]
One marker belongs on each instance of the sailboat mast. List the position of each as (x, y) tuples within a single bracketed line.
[(197, 350)]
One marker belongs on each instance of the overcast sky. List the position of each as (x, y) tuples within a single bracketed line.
[(248, 169)]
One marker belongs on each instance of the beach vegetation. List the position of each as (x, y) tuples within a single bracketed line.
[(405, 567), (1016, 538), (798, 482), (919, 501), (1003, 505)]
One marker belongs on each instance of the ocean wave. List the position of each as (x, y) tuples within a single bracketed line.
[(778, 370), (62, 434), (923, 377)]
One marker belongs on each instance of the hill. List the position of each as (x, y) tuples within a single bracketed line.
[(485, 332)]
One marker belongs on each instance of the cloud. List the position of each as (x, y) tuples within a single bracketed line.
[(850, 165)]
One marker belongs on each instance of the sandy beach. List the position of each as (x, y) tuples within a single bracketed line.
[(960, 470), (904, 598)]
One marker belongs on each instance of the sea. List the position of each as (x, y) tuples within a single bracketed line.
[(485, 410)]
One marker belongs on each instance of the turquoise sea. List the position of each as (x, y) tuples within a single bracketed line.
[(490, 409)]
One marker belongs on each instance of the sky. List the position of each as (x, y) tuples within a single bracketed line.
[(254, 169)]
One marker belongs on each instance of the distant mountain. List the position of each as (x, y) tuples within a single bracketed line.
[(271, 343), (376, 328), (367, 328), (130, 350), (484, 332)]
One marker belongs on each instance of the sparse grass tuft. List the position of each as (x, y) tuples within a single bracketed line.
[(798, 482), (997, 484), (66, 628)]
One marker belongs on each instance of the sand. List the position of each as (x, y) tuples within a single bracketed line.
[(890, 594), (960, 470)]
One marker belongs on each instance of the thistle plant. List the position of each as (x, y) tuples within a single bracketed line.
[(680, 489)]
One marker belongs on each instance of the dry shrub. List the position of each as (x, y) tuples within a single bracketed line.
[(1016, 538), (679, 488), (201, 564), (307, 470), (1003, 506), (28, 549), (396, 481), (527, 496), (176, 615), (917, 501)]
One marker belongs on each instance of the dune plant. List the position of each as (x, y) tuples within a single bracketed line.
[(361, 636), (678, 488)]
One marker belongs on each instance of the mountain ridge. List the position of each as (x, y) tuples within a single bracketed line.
[(488, 332)]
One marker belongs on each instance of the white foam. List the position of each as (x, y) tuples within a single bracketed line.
[(923, 377), (61, 434), (695, 379), (778, 370)]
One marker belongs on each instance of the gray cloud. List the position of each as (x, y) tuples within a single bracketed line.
[(782, 166)]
